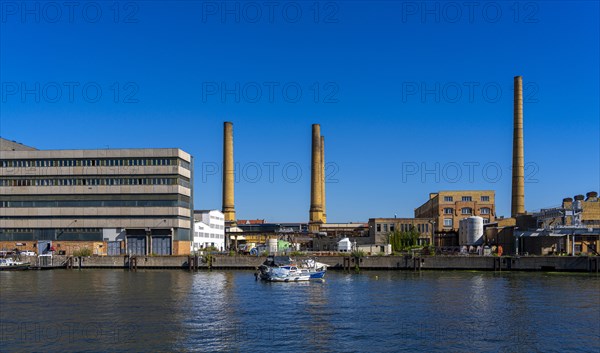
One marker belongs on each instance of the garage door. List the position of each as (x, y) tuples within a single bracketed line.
[(161, 245), (136, 245)]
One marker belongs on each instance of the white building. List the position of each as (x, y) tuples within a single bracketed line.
[(209, 230)]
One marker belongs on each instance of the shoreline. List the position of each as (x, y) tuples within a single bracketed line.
[(590, 264)]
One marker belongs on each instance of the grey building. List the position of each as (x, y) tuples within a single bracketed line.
[(136, 201)]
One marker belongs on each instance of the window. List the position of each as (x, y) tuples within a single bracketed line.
[(486, 220), (467, 198), (391, 227), (448, 222), (448, 199), (385, 227), (466, 210), (485, 198), (485, 210), (379, 227), (448, 210)]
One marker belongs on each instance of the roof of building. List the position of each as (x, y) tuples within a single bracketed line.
[(23, 151), (250, 221), (399, 219), (6, 145)]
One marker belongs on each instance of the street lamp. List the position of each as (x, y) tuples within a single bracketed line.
[(432, 222)]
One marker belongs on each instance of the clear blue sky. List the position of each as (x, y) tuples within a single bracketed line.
[(398, 87)]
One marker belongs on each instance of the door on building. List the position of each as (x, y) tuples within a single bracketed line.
[(161, 245), (114, 248), (136, 245), (44, 246)]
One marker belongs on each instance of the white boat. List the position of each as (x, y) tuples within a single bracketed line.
[(293, 274), (9, 264), (283, 269)]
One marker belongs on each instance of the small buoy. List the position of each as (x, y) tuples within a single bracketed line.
[(376, 277)]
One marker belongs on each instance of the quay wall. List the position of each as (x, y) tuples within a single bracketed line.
[(506, 263)]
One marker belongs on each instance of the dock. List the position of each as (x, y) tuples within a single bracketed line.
[(407, 262)]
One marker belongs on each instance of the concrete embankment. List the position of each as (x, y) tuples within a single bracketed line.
[(523, 263)]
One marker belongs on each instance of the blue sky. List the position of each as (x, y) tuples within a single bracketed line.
[(412, 97)]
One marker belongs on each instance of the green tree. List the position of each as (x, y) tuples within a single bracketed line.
[(403, 240)]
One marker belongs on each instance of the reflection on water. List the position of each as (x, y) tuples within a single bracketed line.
[(98, 310)]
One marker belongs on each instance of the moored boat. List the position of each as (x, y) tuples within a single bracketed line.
[(9, 264), (284, 269)]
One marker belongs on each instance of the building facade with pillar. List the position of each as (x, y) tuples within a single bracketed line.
[(111, 201)]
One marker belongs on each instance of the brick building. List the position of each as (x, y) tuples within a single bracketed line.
[(447, 208)]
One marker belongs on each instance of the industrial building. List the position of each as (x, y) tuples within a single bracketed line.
[(380, 228), (209, 230), (588, 209), (447, 208), (111, 201)]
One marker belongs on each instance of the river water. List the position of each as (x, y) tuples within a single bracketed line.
[(228, 311)]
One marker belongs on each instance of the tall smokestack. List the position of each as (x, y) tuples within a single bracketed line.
[(323, 208), (228, 174), (518, 162), (316, 199)]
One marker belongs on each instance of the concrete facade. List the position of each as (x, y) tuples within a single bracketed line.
[(116, 196), (489, 263)]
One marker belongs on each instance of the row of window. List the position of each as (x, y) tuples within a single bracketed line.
[(448, 222), (209, 235), (404, 227), (96, 203), (98, 162), (205, 245), (57, 230), (94, 181), (217, 218), (467, 210), (466, 198)]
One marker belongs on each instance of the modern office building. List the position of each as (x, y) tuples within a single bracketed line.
[(209, 230), (112, 201)]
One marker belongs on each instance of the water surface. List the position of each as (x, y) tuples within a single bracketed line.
[(228, 311)]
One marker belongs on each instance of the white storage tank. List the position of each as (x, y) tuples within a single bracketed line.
[(470, 230), (272, 246)]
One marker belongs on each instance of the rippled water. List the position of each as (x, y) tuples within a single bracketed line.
[(170, 310)]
